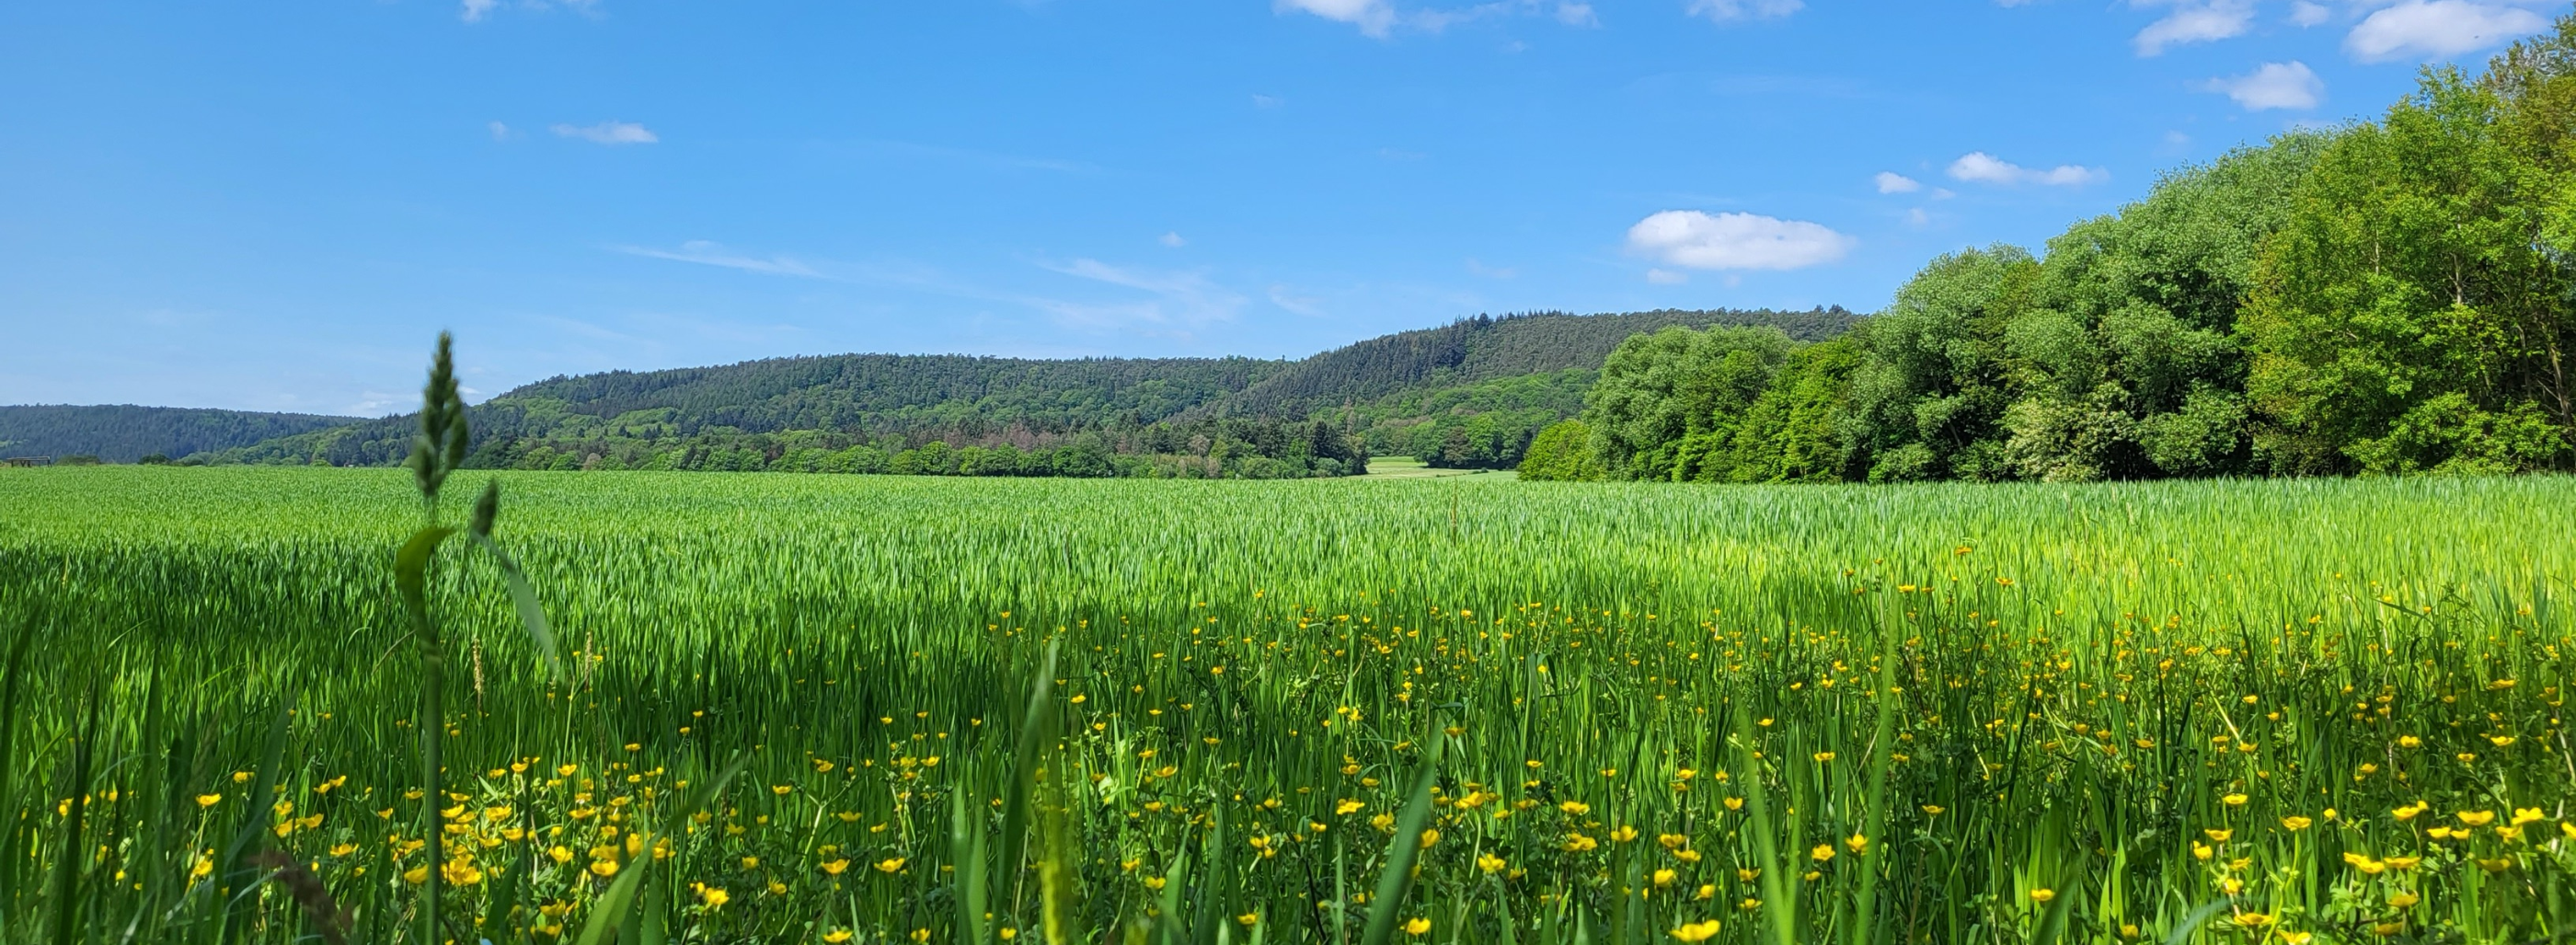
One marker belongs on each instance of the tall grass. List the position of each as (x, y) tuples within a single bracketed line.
[(1902, 714)]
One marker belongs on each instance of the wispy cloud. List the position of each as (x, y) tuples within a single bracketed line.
[(376, 403), (1890, 182), (1728, 11), (1985, 168), (992, 159), (1735, 241), (1306, 305), (2275, 85), (476, 11), (706, 253), (1172, 239), (1156, 302), (1380, 19), (2437, 28), (1176, 301), (609, 132)]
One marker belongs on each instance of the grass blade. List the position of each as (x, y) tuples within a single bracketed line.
[(1397, 879)]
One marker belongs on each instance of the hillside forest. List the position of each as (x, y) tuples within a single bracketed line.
[(2390, 297)]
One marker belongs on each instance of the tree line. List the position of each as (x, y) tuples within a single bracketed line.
[(2391, 297), (1204, 449)]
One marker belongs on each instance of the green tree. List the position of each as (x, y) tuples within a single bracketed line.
[(1796, 431), (1928, 397), (2413, 315), (1561, 453), (2128, 364), (1667, 397)]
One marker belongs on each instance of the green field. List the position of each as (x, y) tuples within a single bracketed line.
[(1406, 467), (1936, 713)]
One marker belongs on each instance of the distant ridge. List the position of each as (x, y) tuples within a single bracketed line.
[(1533, 366), (124, 433)]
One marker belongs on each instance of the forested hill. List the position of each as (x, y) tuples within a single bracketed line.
[(124, 433), (896, 401), (1484, 348), (884, 392)]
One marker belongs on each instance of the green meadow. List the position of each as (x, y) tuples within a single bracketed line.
[(910, 709)]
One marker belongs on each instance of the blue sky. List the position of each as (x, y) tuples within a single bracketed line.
[(275, 206)]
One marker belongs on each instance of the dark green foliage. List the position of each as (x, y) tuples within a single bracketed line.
[(126, 434)]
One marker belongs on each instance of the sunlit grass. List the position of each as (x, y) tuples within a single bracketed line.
[(2331, 708)]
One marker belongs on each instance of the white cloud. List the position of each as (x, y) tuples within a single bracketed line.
[(2275, 85), (1890, 182), (1266, 101), (1666, 277), (2304, 13), (1917, 218), (1577, 14), (1986, 168), (1173, 240), (2436, 28), (1491, 272), (500, 132), (1735, 241), (1373, 17), (707, 253), (475, 10), (1726, 10), (2218, 20), (609, 132)]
